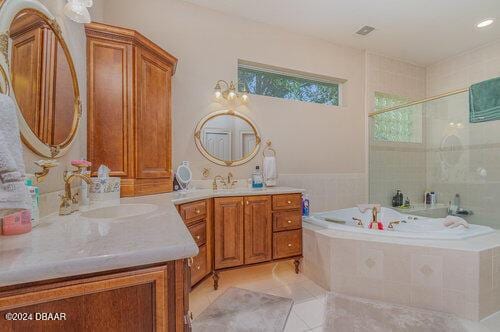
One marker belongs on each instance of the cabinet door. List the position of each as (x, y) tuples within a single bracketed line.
[(258, 229), (109, 99), (228, 229), (153, 142), (135, 301)]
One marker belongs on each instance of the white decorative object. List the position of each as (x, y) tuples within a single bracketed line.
[(76, 10)]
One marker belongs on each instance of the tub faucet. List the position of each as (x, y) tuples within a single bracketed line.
[(374, 222)]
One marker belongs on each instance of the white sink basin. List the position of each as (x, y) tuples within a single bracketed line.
[(119, 211)]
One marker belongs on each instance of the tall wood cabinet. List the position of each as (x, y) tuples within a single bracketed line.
[(228, 236), (129, 111)]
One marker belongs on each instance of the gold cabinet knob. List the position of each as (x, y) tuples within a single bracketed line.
[(248, 202), (289, 202), (289, 221), (197, 237), (198, 267), (198, 211), (289, 245)]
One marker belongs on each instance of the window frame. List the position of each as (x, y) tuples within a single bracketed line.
[(293, 74)]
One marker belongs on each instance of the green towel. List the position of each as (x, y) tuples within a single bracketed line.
[(484, 101)]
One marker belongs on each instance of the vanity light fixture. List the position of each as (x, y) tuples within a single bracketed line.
[(76, 10), (485, 23), (229, 92)]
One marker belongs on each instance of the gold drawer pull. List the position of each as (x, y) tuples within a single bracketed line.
[(197, 237), (248, 202), (289, 245), (289, 202), (198, 211), (289, 221), (190, 261)]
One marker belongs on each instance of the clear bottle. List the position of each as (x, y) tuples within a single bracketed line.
[(257, 180)]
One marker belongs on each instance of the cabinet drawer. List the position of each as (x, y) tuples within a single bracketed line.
[(287, 220), (199, 232), (287, 244), (199, 265), (286, 202), (193, 211)]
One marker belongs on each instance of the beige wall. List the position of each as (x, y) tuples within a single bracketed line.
[(309, 138), (395, 165)]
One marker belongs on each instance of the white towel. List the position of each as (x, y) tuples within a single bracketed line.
[(454, 221), (13, 193), (270, 171)]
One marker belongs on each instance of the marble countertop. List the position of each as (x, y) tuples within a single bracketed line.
[(63, 246)]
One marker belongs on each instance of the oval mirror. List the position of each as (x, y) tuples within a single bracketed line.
[(43, 82), (227, 138)]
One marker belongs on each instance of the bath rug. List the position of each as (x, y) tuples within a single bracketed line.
[(243, 310), (346, 313)]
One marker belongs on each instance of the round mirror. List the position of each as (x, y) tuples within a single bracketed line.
[(43, 82), (227, 138)]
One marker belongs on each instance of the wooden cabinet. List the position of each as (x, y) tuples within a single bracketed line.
[(149, 299), (234, 232), (258, 229), (228, 232), (198, 217), (129, 108)]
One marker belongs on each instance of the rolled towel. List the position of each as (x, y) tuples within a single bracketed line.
[(368, 207), (454, 222)]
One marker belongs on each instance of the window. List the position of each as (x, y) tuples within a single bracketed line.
[(403, 125), (287, 84)]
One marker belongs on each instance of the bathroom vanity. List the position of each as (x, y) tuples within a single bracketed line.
[(122, 267), (241, 227)]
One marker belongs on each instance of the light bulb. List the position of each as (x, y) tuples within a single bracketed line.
[(244, 97), (231, 95), (217, 94)]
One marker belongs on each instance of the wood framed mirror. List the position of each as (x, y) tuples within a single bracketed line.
[(227, 138), (38, 72)]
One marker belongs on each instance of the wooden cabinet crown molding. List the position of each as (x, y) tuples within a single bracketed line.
[(130, 36)]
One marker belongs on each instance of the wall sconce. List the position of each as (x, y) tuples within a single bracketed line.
[(229, 92), (76, 10)]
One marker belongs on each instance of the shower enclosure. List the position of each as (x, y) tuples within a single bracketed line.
[(432, 146)]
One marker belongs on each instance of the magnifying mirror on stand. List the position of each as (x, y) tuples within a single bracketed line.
[(183, 175)]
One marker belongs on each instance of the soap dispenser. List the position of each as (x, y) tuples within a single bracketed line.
[(257, 180)]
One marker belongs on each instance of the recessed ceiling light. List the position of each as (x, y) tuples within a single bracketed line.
[(484, 23)]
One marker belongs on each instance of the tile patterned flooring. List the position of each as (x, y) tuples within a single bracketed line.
[(280, 279)]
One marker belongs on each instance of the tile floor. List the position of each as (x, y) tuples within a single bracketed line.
[(280, 279)]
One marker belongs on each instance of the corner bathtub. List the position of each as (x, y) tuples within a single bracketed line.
[(411, 226)]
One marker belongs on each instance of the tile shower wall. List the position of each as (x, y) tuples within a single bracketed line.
[(475, 170), (395, 165), (329, 191)]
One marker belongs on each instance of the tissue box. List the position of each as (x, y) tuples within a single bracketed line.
[(16, 222), (104, 190)]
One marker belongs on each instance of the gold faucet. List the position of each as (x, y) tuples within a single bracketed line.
[(374, 222), (230, 181), (69, 202), (214, 183), (392, 223), (359, 222)]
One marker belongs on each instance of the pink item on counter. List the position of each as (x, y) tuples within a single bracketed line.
[(80, 163), (17, 223)]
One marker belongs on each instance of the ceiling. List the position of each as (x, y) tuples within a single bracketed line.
[(420, 31)]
